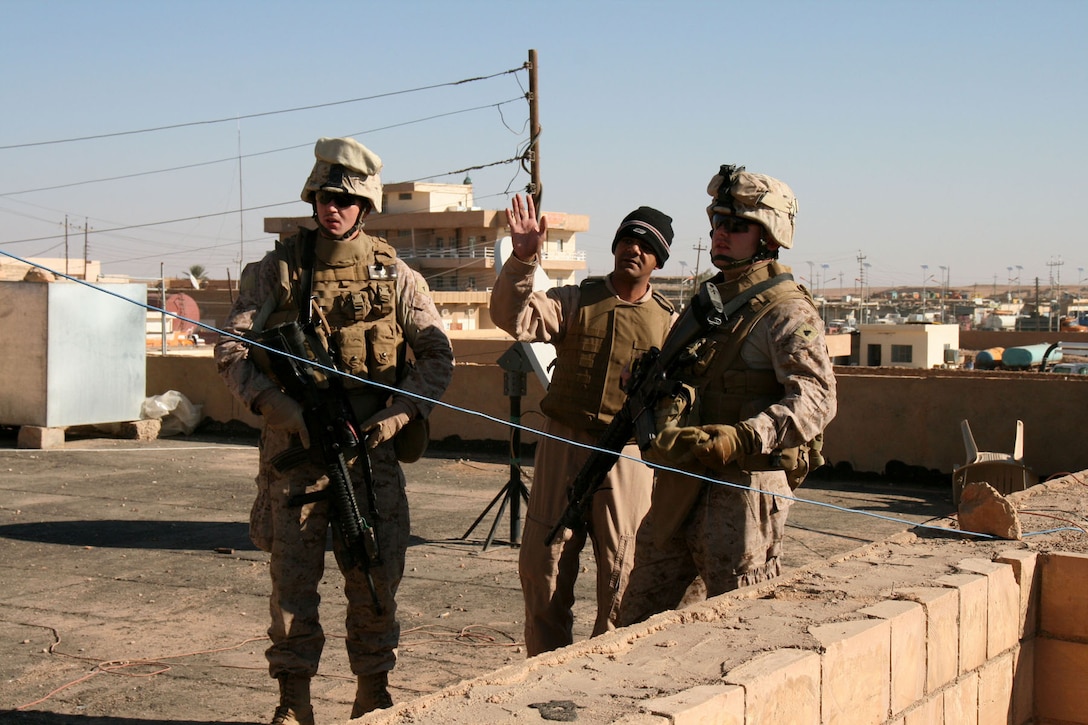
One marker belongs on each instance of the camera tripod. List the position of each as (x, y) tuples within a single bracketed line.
[(515, 363)]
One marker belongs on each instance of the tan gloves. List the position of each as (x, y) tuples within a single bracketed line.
[(282, 411), (674, 441), (384, 424), (724, 443), (674, 446)]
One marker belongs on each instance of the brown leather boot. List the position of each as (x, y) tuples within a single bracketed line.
[(372, 693), (295, 708)]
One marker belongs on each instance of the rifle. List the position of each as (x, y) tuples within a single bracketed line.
[(334, 440), (652, 378)]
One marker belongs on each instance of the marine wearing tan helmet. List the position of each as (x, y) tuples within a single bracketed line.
[(760, 198), (345, 165)]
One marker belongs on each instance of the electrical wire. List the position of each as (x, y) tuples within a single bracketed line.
[(261, 114), (235, 159)]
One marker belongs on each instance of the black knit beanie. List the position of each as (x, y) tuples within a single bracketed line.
[(648, 226)]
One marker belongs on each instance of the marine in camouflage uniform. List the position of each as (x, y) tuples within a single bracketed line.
[(598, 328), (763, 386), (377, 309)]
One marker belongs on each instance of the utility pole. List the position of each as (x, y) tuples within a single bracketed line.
[(241, 209), (698, 255), (86, 248), (66, 244), (1058, 286), (536, 188), (861, 285)]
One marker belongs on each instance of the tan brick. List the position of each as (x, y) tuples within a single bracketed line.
[(782, 686), (908, 650), (1023, 682), (1002, 604), (974, 594), (1061, 689), (942, 633), (856, 680), (929, 712), (961, 701), (1063, 596), (1025, 568), (34, 436), (704, 705), (995, 690), (147, 429)]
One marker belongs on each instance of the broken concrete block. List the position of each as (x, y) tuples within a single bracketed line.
[(985, 511)]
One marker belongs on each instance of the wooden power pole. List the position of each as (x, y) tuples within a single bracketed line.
[(536, 189)]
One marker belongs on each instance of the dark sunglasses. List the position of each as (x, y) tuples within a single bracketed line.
[(732, 224), (338, 199)]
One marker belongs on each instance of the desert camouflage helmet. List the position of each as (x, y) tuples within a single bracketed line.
[(760, 198), (345, 165)]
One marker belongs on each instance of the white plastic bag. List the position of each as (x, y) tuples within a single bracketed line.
[(177, 413)]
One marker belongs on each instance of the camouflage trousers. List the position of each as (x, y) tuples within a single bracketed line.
[(548, 573), (296, 538), (731, 538)]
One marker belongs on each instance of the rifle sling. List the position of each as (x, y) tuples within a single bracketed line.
[(742, 299), (301, 499)]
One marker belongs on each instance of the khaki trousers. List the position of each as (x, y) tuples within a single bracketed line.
[(548, 573)]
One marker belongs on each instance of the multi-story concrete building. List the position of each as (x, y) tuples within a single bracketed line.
[(439, 231)]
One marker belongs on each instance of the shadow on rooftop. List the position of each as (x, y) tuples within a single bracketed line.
[(194, 535)]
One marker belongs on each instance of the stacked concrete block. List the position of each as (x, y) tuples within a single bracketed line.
[(780, 687), (856, 671), (907, 644), (1061, 645)]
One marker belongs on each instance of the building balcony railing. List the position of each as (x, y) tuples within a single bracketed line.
[(481, 252), (565, 256)]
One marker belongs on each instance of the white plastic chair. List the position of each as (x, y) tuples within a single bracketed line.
[(1006, 472), (974, 455)]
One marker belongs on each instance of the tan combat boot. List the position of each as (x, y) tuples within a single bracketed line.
[(295, 708), (371, 694)]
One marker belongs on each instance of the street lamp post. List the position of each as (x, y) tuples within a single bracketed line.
[(925, 270), (943, 290)]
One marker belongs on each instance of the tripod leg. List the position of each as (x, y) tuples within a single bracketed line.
[(500, 495), (495, 524)]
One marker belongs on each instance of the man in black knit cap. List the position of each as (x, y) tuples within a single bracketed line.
[(599, 328)]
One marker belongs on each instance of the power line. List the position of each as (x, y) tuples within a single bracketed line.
[(255, 154), (228, 212), (261, 114)]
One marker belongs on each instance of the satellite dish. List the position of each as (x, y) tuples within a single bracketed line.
[(541, 354), (185, 306)]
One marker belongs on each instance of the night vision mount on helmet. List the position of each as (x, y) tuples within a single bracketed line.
[(757, 197)]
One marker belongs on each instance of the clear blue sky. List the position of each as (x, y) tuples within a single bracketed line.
[(946, 134)]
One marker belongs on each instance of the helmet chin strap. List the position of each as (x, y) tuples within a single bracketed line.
[(763, 253), (346, 235)]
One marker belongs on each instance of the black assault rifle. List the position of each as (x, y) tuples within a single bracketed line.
[(652, 378), (334, 440)]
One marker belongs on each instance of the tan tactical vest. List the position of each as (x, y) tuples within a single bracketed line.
[(730, 391), (607, 335), (355, 285)]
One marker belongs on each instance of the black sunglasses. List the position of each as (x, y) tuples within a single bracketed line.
[(732, 224), (338, 199)]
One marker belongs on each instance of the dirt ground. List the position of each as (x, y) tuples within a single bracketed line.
[(132, 594)]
